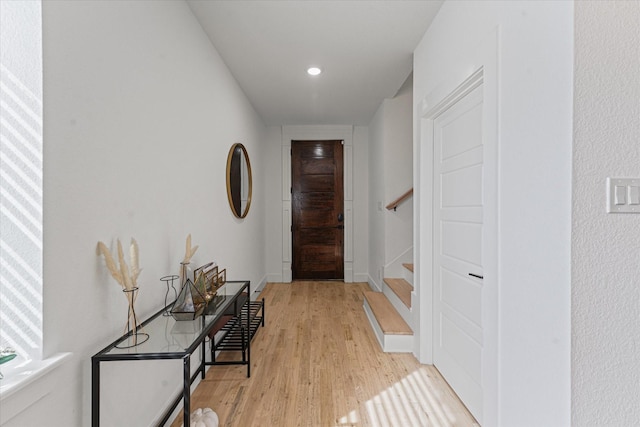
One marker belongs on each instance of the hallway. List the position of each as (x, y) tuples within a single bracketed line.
[(317, 363)]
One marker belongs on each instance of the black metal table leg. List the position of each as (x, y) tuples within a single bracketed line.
[(95, 392), (248, 337), (203, 355), (248, 330), (186, 391)]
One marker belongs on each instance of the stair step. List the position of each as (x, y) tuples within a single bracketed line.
[(387, 317), (402, 289), (408, 267)]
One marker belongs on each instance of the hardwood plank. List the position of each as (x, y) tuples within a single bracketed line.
[(388, 318), (401, 288), (317, 363), (408, 267)]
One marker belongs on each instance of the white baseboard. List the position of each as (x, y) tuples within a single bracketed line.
[(375, 286), (360, 277)]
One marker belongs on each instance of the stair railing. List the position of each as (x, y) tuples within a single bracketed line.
[(394, 205)]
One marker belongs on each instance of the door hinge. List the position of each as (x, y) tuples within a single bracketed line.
[(291, 190)]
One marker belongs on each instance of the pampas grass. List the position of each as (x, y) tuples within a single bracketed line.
[(189, 251), (126, 277), (135, 265), (111, 264)]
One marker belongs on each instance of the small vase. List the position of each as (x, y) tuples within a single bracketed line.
[(185, 273), (134, 337), (169, 280)]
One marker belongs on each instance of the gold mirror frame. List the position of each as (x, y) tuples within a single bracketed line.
[(235, 176)]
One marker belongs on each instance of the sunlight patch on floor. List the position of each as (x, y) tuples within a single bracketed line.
[(413, 401), (349, 420)]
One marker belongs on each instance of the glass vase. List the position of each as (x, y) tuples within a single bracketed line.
[(185, 273), (134, 336), (169, 281)]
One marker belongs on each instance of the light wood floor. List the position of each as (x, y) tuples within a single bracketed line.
[(317, 363)]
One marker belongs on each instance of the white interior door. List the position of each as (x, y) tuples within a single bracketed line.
[(457, 239)]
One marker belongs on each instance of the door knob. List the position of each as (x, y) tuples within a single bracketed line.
[(340, 217)]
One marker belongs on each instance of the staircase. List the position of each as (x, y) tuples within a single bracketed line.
[(389, 313)]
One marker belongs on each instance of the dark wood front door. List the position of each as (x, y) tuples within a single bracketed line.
[(317, 210)]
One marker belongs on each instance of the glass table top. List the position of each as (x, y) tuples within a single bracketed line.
[(169, 338)]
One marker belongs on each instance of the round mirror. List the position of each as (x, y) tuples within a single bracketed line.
[(239, 184)]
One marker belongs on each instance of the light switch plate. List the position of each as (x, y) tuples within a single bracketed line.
[(623, 195)]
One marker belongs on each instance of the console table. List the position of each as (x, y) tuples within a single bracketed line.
[(171, 339)]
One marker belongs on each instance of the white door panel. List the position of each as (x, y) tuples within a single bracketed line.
[(462, 214), (462, 187), (462, 132), (470, 328), (462, 294), (464, 159), (461, 347), (463, 241), (457, 228)]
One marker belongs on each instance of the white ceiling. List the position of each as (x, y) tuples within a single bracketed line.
[(365, 49)]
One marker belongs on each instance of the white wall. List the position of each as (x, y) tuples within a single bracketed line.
[(140, 113), (390, 159), (526, 361), (376, 198), (361, 175), (273, 205), (606, 253), (398, 178)]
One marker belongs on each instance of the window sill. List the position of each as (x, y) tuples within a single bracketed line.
[(18, 376)]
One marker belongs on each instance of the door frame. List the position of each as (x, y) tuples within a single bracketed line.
[(466, 74), (311, 133)]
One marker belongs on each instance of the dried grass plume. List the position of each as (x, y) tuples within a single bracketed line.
[(189, 251), (125, 276)]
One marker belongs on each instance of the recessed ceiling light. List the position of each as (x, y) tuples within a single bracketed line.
[(314, 71)]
